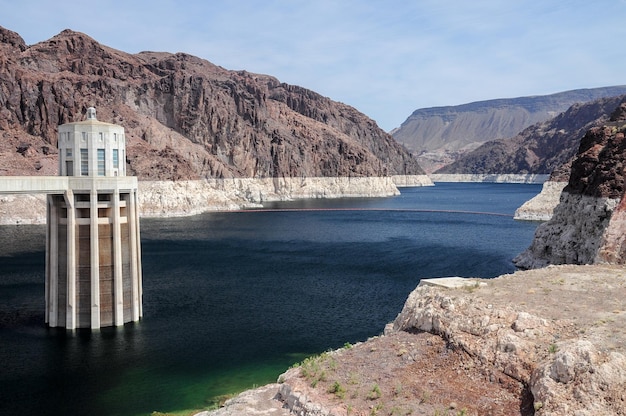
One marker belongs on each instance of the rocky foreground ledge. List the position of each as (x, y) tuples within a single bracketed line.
[(550, 341)]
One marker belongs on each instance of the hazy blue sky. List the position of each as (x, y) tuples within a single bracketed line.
[(387, 58)]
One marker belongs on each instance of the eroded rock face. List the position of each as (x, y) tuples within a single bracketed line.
[(573, 235), (541, 207), (184, 117), (589, 223), (564, 355)]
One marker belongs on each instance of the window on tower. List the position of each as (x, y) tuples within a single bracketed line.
[(100, 162), (84, 162)]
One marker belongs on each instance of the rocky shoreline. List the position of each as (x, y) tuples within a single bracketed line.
[(541, 207), (550, 341), (192, 197), (488, 177), (159, 199)]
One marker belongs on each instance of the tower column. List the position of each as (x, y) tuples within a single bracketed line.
[(118, 284), (135, 254), (94, 259), (52, 262), (70, 307)]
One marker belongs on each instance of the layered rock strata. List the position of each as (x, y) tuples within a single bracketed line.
[(574, 234), (589, 224), (541, 207), (440, 135), (551, 336)]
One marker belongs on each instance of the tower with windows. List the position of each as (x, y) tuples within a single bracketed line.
[(93, 259), (91, 148)]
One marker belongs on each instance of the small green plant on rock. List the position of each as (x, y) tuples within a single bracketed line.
[(312, 370), (377, 409), (374, 393), (338, 390), (354, 378), (398, 411), (212, 403), (398, 389)]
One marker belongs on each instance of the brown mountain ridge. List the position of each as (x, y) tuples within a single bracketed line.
[(185, 118), (543, 148), (439, 136)]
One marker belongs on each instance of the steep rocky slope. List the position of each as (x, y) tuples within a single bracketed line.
[(185, 118), (440, 135), (589, 224), (541, 148)]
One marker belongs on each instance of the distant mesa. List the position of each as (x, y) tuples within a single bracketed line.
[(439, 136), (544, 148)]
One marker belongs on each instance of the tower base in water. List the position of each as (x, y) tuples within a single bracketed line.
[(93, 254)]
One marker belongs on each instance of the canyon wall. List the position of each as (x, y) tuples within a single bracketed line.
[(163, 199), (184, 117), (440, 135), (541, 148), (589, 223)]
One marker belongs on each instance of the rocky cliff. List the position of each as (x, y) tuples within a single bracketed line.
[(589, 224), (441, 135), (541, 148), (185, 118)]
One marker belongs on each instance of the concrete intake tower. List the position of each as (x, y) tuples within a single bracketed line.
[(93, 254)]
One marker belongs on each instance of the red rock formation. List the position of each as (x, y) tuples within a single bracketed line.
[(589, 224), (185, 118)]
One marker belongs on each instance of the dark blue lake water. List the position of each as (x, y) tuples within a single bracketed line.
[(233, 299)]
